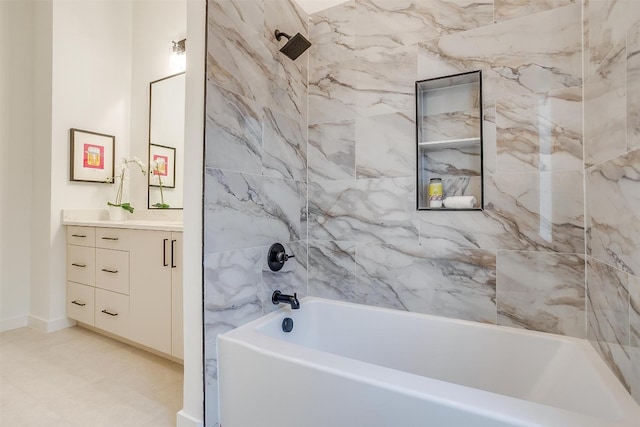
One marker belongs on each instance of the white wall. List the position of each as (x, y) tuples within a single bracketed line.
[(91, 90), (16, 141), (41, 163), (155, 25)]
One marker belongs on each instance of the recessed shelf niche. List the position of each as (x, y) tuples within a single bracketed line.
[(449, 137)]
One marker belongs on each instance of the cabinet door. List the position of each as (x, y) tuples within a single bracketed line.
[(177, 344), (150, 289)]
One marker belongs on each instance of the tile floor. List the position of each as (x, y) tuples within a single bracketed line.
[(77, 378)]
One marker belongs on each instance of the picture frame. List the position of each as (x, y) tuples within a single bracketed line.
[(165, 157), (92, 156)]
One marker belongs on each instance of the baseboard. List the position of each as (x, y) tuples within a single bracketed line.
[(13, 323), (47, 326), (186, 420)]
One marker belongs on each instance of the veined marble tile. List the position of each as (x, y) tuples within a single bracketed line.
[(613, 209), (543, 211), (542, 292), (634, 353), (233, 131), (332, 266), (385, 146), (608, 303), (633, 87), (285, 147), (286, 16), (291, 279), (288, 89), (218, 322), (634, 314), (246, 15), (244, 211), (456, 283), (452, 229), (535, 54), (303, 192), (536, 132), (363, 210), (385, 81), (509, 9), (453, 125), (332, 33), (332, 93), (450, 162), (608, 22), (489, 144), (332, 150), (384, 24), (238, 57), (604, 109), (618, 359), (232, 279)]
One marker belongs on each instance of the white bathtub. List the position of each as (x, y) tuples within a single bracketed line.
[(358, 366)]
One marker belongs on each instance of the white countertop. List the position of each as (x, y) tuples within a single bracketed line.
[(100, 219)]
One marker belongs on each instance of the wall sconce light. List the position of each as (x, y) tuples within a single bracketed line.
[(179, 56)]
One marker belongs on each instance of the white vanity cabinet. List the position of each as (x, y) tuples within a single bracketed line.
[(154, 256), (127, 282)]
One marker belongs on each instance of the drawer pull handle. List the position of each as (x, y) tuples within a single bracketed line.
[(106, 270), (109, 313), (79, 235), (110, 238), (75, 264), (81, 304)]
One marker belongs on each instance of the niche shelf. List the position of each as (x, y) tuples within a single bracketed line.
[(449, 137)]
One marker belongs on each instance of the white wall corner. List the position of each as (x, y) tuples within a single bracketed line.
[(186, 420), (47, 326), (13, 323)]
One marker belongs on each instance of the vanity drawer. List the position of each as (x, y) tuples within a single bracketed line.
[(112, 270), (81, 264), (80, 303), (112, 312), (81, 236), (113, 238)]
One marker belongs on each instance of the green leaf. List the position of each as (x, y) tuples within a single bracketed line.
[(161, 206), (127, 207)]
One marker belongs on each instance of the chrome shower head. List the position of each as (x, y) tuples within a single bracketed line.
[(295, 45)]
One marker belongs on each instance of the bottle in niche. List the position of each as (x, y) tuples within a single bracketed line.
[(435, 193)]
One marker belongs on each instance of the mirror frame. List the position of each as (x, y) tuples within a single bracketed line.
[(149, 143)]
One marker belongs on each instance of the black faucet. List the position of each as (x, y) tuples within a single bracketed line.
[(278, 297)]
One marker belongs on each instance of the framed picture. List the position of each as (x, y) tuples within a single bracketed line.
[(162, 166), (92, 156)]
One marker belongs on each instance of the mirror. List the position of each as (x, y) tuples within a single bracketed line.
[(166, 142)]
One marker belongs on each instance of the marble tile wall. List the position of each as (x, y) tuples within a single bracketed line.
[(520, 262), (343, 199), (255, 167), (612, 181)]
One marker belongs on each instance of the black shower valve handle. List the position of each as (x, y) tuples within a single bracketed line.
[(277, 256)]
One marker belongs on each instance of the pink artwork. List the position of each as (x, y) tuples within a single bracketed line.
[(161, 165), (93, 156)]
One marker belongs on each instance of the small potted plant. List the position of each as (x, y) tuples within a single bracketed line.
[(117, 208)]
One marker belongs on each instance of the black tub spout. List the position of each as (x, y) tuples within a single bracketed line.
[(278, 297)]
